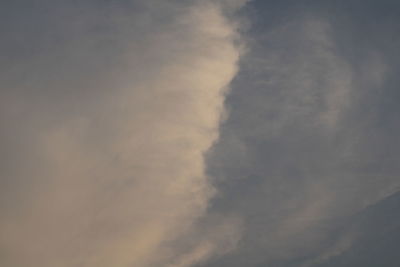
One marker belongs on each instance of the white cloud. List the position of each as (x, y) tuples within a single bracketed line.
[(105, 132)]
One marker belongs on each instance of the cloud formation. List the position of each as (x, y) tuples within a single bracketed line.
[(106, 112), (113, 151), (309, 142)]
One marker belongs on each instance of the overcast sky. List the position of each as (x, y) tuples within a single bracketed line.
[(199, 133)]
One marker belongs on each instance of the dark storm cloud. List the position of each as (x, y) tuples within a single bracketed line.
[(313, 132)]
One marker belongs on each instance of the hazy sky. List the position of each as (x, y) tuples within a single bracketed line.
[(199, 133)]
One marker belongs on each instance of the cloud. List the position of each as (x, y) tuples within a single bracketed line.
[(303, 149), (106, 112)]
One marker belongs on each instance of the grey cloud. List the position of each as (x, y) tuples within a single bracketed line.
[(112, 152), (309, 141)]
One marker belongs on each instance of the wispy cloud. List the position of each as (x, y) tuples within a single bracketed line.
[(295, 157)]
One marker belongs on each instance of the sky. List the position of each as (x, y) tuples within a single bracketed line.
[(199, 133)]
